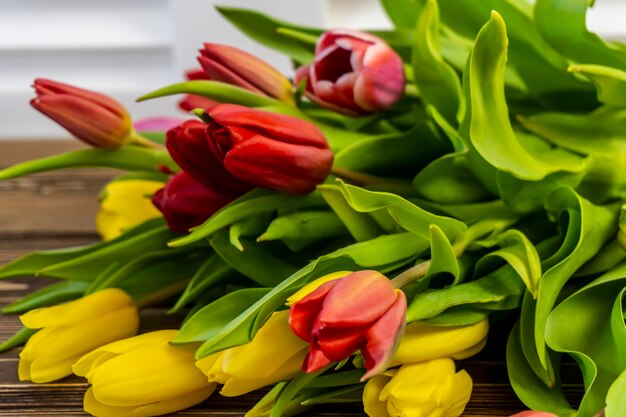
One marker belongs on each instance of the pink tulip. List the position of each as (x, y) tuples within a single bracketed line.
[(529, 413), (353, 73), (360, 311), (92, 117), (233, 66)]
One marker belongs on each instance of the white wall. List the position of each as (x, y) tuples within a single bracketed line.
[(128, 47)]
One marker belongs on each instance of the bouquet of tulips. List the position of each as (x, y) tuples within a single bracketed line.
[(345, 236)]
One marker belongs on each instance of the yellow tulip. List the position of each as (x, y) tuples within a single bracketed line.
[(422, 389), (142, 376), (70, 330), (313, 285), (125, 204), (275, 354), (422, 342)]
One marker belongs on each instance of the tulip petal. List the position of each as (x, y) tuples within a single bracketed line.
[(190, 102), (530, 413), (314, 360), (280, 166), (219, 72), (339, 344), (373, 405), (370, 294), (313, 285), (281, 127), (148, 375), (157, 124), (303, 314), (77, 311), (383, 337)]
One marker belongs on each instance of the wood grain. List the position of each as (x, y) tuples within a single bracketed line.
[(54, 210)]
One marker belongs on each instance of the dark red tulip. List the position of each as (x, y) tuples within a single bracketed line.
[(353, 73), (244, 147), (92, 117), (361, 311), (197, 154), (186, 203), (191, 102), (233, 66)]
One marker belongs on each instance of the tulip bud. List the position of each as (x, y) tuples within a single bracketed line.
[(353, 73), (529, 413), (191, 102), (199, 156), (233, 66), (423, 342), (361, 311), (125, 204), (93, 118), (420, 389), (142, 376), (186, 203), (275, 354), (269, 150), (70, 330)]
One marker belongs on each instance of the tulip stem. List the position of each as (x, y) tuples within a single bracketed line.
[(145, 142)]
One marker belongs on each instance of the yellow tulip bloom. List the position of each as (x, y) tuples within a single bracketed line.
[(70, 330), (423, 342), (423, 389), (142, 376), (275, 354), (124, 205)]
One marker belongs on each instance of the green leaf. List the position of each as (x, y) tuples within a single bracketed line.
[(290, 390), (252, 226), (265, 30), (491, 132), (520, 253), (562, 23), (378, 253), (609, 82), (589, 325), (349, 394), (129, 158), (464, 315), (406, 214), (213, 271), (601, 132), (255, 202), (50, 295), (305, 225), (215, 90), (527, 386), (448, 180), (253, 261), (443, 259), (208, 321), (403, 13), (437, 81), (18, 339), (615, 400)]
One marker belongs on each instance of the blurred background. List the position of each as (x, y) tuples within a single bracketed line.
[(126, 48)]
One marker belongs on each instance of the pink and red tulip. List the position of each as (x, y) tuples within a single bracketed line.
[(353, 73), (529, 413), (157, 124), (243, 147), (191, 102), (361, 311), (92, 117), (233, 66), (186, 203)]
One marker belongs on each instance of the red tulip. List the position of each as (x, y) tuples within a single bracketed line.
[(192, 101), (233, 66), (186, 203), (361, 311), (197, 154), (353, 73), (92, 117), (245, 147)]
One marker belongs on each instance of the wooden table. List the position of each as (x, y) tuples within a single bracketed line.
[(57, 209)]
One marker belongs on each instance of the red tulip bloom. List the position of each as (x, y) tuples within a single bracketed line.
[(186, 203), (361, 311), (233, 66), (244, 147), (191, 102), (92, 117), (353, 73)]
